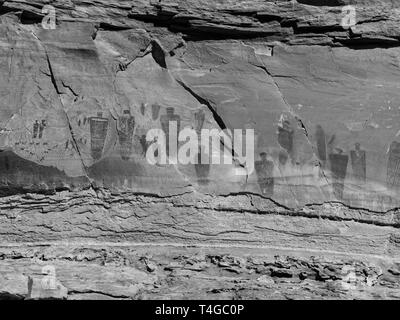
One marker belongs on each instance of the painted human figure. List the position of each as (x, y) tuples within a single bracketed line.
[(165, 120), (98, 134), (42, 126), (285, 136), (264, 170), (144, 144), (393, 166), (69, 146), (199, 118), (338, 162), (321, 144), (35, 129), (126, 127), (202, 169), (358, 163), (155, 111), (283, 158), (7, 163)]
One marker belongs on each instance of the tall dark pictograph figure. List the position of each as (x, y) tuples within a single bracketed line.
[(155, 111), (285, 136), (358, 163), (144, 144), (35, 129), (338, 162), (283, 157), (42, 126), (321, 144), (199, 118), (264, 170), (98, 134), (393, 166), (126, 127), (202, 169), (165, 121), (143, 109)]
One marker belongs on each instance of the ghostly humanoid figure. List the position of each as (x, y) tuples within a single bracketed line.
[(358, 163), (285, 137), (199, 118), (155, 111), (338, 162), (321, 144), (126, 128), (202, 169), (165, 120), (264, 169), (98, 134), (35, 129), (42, 126), (393, 166)]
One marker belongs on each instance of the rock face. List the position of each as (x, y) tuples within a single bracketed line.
[(310, 211)]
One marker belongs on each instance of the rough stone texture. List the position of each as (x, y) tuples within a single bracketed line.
[(83, 215)]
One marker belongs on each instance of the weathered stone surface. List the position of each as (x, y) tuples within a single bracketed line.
[(121, 272), (318, 217)]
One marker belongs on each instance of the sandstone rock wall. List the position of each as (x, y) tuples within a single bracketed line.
[(318, 216)]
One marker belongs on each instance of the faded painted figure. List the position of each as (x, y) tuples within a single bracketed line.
[(199, 118), (143, 109), (126, 127), (38, 129), (98, 134), (155, 111), (35, 129), (144, 144), (393, 166), (338, 162), (41, 128), (202, 169), (285, 136), (358, 163), (264, 169), (165, 123)]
